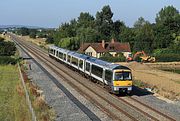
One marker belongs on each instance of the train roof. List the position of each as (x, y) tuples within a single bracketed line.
[(107, 64), (82, 56), (92, 59)]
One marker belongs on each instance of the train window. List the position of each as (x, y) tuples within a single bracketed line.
[(108, 75), (69, 58), (51, 51), (96, 70), (60, 55), (74, 61), (87, 66), (64, 57), (54, 52), (81, 64)]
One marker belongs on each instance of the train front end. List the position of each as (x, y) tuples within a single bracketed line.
[(122, 81)]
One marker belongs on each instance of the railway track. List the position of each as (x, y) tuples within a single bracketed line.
[(113, 106)]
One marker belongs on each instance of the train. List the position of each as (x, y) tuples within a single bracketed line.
[(116, 78)]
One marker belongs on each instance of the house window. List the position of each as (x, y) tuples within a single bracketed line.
[(100, 54), (89, 53), (111, 48)]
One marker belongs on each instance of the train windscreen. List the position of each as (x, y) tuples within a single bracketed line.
[(122, 76)]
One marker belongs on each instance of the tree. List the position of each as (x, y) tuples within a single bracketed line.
[(104, 23), (85, 20), (23, 31), (7, 48), (140, 22), (117, 27), (167, 24), (144, 37)]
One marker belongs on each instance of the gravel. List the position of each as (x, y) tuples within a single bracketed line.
[(168, 107)]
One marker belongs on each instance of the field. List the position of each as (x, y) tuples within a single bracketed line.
[(162, 82), (13, 105)]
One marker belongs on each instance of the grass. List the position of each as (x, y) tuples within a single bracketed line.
[(139, 83), (172, 70), (13, 105)]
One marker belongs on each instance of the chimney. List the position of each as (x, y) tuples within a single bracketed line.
[(112, 41), (103, 43)]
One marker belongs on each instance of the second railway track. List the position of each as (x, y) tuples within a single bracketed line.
[(111, 105)]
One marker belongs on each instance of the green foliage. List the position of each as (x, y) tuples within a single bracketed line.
[(4, 60), (23, 31), (7, 48), (32, 35), (85, 20), (49, 40), (104, 22), (108, 57), (69, 43), (168, 57), (156, 37), (1, 39)]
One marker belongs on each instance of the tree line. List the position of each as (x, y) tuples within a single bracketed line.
[(163, 34), (7, 50), (160, 39)]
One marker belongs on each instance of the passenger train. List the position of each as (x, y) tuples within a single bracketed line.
[(115, 77)]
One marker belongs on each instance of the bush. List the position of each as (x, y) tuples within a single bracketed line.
[(4, 60), (32, 35), (108, 57), (7, 48), (168, 57), (1, 39)]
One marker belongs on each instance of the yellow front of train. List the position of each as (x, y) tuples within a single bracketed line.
[(122, 81)]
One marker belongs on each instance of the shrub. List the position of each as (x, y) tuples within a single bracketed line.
[(4, 60), (168, 57), (110, 58)]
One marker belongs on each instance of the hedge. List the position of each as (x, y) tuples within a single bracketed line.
[(168, 57), (4, 60), (113, 59)]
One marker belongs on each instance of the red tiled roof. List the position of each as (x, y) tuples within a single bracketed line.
[(96, 46), (109, 47), (118, 47)]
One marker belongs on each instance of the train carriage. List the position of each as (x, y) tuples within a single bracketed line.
[(116, 77)]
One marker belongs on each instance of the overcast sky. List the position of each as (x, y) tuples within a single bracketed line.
[(51, 13)]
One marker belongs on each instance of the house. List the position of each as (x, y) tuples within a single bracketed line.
[(98, 49)]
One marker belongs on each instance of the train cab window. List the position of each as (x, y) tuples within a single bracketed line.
[(87, 66), (69, 58), (81, 64), (108, 75), (74, 61), (122, 76), (96, 70)]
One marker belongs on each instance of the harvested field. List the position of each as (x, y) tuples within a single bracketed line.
[(162, 82)]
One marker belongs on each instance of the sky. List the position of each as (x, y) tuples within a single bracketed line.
[(51, 13)]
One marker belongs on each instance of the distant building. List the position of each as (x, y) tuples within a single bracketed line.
[(98, 49)]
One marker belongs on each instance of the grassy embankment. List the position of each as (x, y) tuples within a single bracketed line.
[(13, 105)]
